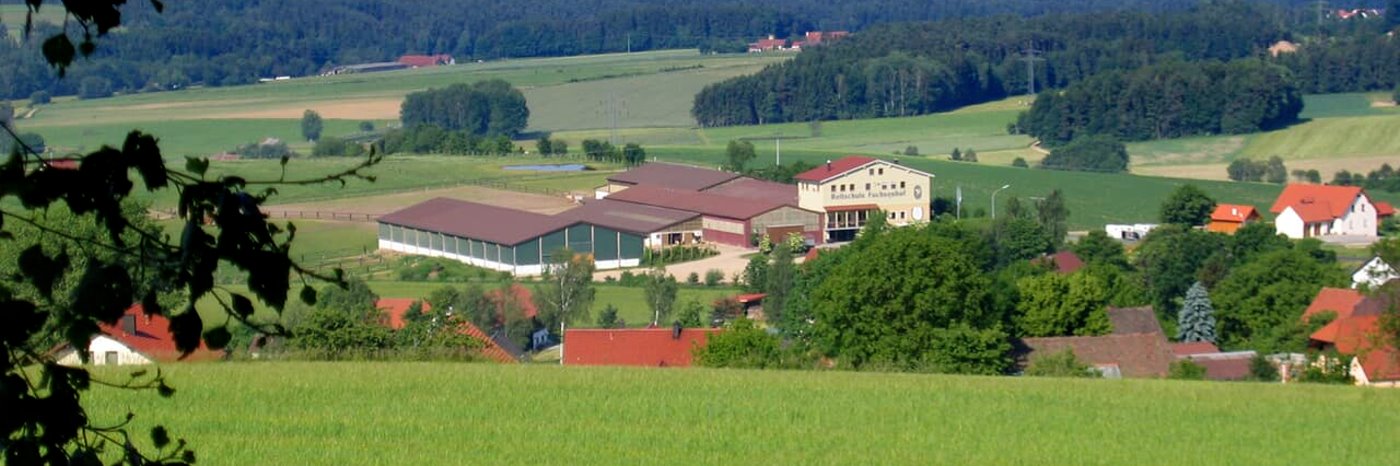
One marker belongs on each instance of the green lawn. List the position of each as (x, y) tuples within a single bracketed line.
[(445, 413), (646, 88)]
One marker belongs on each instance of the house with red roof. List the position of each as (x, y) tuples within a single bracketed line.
[(1228, 218), (136, 338), (1311, 210), (1355, 332), (426, 61), (771, 44), (816, 38), (395, 310), (849, 190), (1064, 262), (648, 347)]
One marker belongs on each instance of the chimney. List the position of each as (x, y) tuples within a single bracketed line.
[(1234, 211), (129, 324)]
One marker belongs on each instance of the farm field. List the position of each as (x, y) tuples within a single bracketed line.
[(454, 413), (1339, 132), (650, 88)]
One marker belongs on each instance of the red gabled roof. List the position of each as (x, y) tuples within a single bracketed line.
[(834, 169), (1335, 199), (766, 44), (1237, 213), (751, 297), (152, 337), (1384, 209), (709, 204), (395, 308), (653, 347), (425, 60), (1065, 262), (1313, 212), (1339, 300)]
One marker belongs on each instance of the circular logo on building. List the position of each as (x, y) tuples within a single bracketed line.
[(918, 192), (918, 211)]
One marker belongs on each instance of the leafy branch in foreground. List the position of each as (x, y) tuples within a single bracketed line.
[(67, 274)]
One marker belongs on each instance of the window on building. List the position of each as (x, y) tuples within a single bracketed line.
[(901, 215), (833, 188), (867, 186), (901, 185), (872, 172), (111, 358), (882, 171)]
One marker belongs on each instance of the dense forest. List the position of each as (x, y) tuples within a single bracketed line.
[(213, 42), (911, 69), (1167, 101)]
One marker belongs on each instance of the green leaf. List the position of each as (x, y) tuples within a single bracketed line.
[(308, 295), (197, 165), (41, 270), (164, 390), (143, 153), (217, 338), (186, 328), (242, 305), (59, 52), (159, 437)]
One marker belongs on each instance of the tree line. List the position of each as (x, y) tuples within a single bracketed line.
[(215, 43), (913, 69), (1167, 101)]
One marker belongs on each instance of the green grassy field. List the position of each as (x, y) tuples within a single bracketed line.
[(444, 413), (394, 174), (647, 88), (13, 17), (1335, 127)]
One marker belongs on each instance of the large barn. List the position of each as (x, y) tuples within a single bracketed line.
[(503, 239), (730, 220)]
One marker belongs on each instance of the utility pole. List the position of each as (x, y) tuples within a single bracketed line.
[(1030, 57), (778, 148)]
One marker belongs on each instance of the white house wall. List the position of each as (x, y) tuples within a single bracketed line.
[(1289, 224), (1374, 274), (1359, 220), (99, 347)]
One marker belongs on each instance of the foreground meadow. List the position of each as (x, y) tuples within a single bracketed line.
[(445, 413)]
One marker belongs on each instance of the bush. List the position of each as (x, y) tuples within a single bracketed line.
[(608, 318), (1020, 163), (713, 277), (40, 97), (1185, 369), (692, 279), (1246, 170), (270, 148), (911, 150), (742, 345), (1062, 364), (336, 147), (1090, 153), (94, 87), (366, 126)]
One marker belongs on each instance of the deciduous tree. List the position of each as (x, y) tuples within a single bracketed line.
[(565, 292), (738, 154), (1187, 205), (660, 289), (311, 125), (1055, 305), (1261, 302)]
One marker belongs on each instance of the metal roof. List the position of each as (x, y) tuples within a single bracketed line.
[(477, 221), (751, 188), (673, 176), (626, 216), (714, 205)]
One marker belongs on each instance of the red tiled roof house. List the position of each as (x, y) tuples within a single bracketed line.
[(1355, 332), (651, 347), (1228, 218), (1309, 210), (137, 338), (395, 309)]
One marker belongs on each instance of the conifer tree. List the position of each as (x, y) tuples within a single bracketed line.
[(1197, 318)]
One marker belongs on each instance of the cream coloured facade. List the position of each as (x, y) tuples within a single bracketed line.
[(848, 192)]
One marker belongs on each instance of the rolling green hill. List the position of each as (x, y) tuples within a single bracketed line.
[(445, 413)]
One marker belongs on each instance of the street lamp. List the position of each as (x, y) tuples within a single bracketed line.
[(994, 200)]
